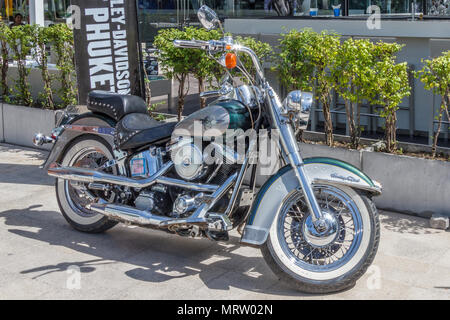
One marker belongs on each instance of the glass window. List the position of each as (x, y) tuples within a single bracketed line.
[(56, 10), (357, 7), (156, 14), (438, 7)]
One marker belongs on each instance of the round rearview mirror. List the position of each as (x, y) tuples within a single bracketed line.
[(208, 18)]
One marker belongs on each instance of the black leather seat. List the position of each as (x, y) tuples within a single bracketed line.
[(115, 105), (136, 130)]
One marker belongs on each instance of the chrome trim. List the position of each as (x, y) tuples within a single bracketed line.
[(92, 176), (90, 129), (240, 179), (40, 139), (199, 215), (374, 190), (292, 150), (187, 185), (128, 214)]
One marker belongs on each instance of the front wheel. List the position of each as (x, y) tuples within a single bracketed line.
[(323, 263)]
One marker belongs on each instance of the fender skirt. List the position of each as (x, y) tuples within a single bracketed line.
[(272, 194)]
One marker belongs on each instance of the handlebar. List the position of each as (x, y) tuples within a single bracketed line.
[(191, 44), (217, 45)]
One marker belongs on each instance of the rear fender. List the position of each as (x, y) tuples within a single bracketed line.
[(273, 193), (79, 125)]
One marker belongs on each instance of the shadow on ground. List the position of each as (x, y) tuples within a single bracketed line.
[(166, 256), (24, 174), (406, 224)]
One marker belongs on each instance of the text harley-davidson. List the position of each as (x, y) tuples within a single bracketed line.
[(313, 219)]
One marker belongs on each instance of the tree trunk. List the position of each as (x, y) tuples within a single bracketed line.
[(350, 121), (328, 121), (148, 92), (5, 54), (181, 95), (358, 125), (201, 88), (47, 79), (436, 136), (446, 104)]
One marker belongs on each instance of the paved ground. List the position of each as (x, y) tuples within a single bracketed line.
[(40, 255)]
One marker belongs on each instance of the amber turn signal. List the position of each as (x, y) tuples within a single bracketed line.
[(230, 60)]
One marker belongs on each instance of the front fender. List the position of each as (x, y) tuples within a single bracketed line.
[(67, 136), (273, 193)]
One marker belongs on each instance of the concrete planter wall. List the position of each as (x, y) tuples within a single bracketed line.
[(410, 185), (19, 124)]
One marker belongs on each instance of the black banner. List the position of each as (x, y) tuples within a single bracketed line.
[(107, 49)]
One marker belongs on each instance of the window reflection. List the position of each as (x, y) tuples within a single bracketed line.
[(56, 10)]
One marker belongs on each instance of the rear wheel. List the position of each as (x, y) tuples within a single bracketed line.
[(73, 197), (330, 263)]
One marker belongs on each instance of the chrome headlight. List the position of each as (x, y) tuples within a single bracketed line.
[(298, 105), (298, 101)]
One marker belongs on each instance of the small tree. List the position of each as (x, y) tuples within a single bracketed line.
[(203, 67), (20, 43), (353, 75), (435, 75), (304, 60), (262, 49), (41, 38), (294, 62), (61, 37), (323, 53), (5, 34), (175, 62), (392, 85)]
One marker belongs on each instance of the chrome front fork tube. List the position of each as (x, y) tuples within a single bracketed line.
[(292, 151)]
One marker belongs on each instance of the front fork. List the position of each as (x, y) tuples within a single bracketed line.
[(292, 151)]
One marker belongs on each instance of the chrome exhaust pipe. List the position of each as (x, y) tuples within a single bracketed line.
[(128, 214), (93, 176), (132, 215)]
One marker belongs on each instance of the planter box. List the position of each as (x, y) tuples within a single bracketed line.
[(34, 79), (2, 138), (20, 124), (313, 150), (410, 185)]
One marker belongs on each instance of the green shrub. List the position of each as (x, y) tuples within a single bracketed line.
[(20, 41), (435, 75), (42, 37), (304, 64), (60, 37), (5, 34)]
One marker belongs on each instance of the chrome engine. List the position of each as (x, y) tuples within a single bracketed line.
[(189, 162), (146, 163)]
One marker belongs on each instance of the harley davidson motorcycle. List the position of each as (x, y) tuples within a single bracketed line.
[(314, 219)]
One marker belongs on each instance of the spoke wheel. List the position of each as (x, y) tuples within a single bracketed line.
[(298, 243), (316, 260), (73, 197), (77, 193)]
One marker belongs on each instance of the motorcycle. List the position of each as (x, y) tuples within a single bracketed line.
[(314, 219)]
